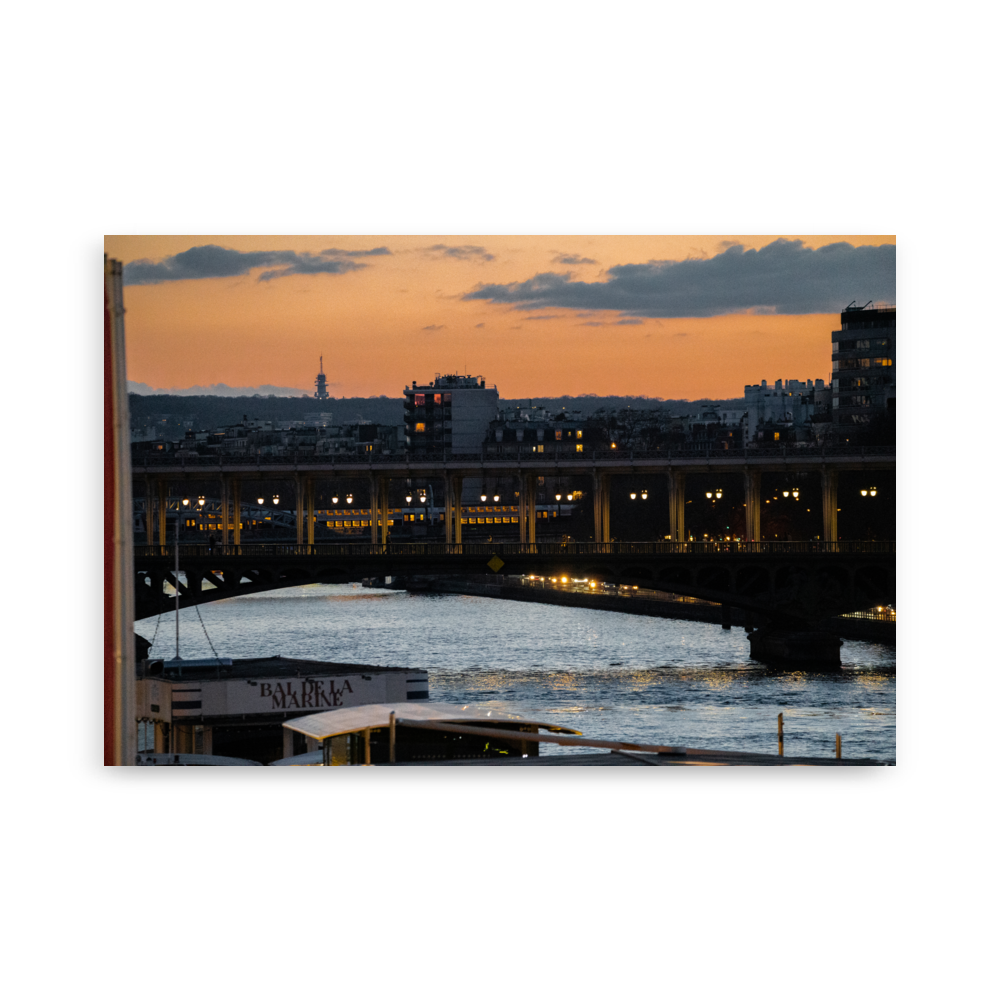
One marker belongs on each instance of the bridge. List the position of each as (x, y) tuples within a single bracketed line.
[(793, 585), (155, 474)]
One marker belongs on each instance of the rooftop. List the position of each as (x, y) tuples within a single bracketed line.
[(268, 666)]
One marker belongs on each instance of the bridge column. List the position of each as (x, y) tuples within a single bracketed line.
[(597, 507), (449, 512), (522, 506), (828, 484), (530, 489), (299, 509), (150, 507), (224, 508), (310, 511), (751, 488), (676, 484), (602, 508), (456, 503), (236, 510), (383, 509), (161, 511), (379, 490)]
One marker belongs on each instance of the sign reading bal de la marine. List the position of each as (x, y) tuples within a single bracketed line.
[(178, 698)]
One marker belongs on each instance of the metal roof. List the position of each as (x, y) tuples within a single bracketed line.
[(339, 721), (258, 666)]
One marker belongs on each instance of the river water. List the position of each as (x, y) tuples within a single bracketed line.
[(607, 674)]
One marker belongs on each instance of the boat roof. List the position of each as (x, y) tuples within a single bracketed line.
[(340, 721), (257, 666)]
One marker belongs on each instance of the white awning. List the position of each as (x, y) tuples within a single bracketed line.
[(339, 721)]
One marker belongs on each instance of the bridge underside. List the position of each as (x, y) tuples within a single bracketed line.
[(791, 589)]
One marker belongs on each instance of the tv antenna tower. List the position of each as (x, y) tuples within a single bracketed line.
[(321, 392)]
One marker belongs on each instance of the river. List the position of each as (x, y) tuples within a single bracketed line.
[(610, 675)]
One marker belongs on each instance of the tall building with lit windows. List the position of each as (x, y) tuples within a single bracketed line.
[(864, 366), (453, 414)]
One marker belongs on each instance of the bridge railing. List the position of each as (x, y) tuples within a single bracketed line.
[(141, 461), (501, 549)]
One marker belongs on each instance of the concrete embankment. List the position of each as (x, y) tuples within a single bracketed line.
[(845, 628)]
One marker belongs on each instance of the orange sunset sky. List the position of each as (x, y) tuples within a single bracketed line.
[(679, 317)]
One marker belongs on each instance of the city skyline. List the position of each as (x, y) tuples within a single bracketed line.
[(671, 317)]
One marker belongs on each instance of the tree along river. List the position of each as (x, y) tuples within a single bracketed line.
[(610, 675)]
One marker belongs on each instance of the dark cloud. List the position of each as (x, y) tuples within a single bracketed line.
[(629, 322), (460, 253), (571, 258), (479, 326), (432, 328), (376, 252), (212, 261), (543, 317), (784, 277)]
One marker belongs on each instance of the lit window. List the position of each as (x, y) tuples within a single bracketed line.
[(418, 399), (420, 428), (541, 447), (437, 398), (579, 434), (579, 447), (559, 435), (777, 435)]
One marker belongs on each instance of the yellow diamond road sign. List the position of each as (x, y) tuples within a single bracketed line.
[(495, 563)]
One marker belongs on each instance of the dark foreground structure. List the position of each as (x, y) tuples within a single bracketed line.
[(408, 735)]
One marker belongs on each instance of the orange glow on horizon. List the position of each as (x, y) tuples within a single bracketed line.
[(403, 318)]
